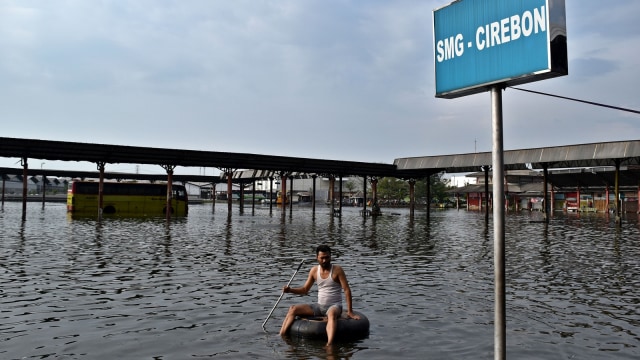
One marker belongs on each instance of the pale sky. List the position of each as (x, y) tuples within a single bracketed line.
[(327, 79)]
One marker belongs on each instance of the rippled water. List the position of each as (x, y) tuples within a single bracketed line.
[(201, 286)]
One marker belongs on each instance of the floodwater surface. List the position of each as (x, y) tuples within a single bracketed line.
[(201, 286)]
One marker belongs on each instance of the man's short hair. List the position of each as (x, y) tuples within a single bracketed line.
[(323, 248)]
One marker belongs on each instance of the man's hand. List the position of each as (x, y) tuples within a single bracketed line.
[(353, 316)]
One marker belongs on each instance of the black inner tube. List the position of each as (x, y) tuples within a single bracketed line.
[(313, 327)]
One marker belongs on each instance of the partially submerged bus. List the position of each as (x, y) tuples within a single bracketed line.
[(126, 198)]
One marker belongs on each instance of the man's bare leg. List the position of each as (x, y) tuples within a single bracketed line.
[(295, 310), (332, 324)]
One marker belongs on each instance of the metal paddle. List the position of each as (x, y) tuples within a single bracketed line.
[(282, 294)]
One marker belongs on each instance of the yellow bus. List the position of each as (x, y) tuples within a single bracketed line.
[(126, 198)]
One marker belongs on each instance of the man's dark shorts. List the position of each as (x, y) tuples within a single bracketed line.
[(321, 310)]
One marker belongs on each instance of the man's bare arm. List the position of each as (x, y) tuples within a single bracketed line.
[(342, 279), (305, 288)]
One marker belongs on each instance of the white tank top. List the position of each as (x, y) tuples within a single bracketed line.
[(329, 291)]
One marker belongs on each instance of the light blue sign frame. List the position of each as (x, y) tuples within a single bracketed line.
[(478, 43)]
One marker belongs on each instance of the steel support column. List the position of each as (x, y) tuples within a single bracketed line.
[(313, 196), (412, 197), (364, 196), (3, 181), (428, 208), (229, 174), (340, 207), (213, 197), (617, 191), (100, 165), (253, 198), (486, 195), (500, 342), (25, 174), (291, 196), (270, 195), (169, 169), (241, 198), (332, 184), (283, 193), (578, 199), (374, 189), (44, 189), (545, 204)]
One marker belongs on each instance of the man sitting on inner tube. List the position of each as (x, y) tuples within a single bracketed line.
[(331, 281)]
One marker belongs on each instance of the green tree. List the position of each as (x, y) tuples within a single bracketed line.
[(439, 188), (397, 189), (351, 186), (390, 188)]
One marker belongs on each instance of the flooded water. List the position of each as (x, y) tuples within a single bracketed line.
[(201, 286)]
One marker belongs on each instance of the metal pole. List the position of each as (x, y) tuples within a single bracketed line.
[(291, 197), (44, 189), (412, 197), (340, 192), (486, 197), (229, 191), (101, 165), (241, 198), (270, 195), (374, 190), (283, 194), (253, 198), (617, 191), (25, 173), (545, 171), (498, 224), (169, 191), (313, 196), (213, 197), (364, 196), (281, 294), (428, 198), (552, 201), (332, 184)]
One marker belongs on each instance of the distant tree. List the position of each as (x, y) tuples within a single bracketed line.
[(351, 186), (439, 188), (390, 188)]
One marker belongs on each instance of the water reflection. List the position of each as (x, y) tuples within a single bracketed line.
[(307, 348), (201, 286)]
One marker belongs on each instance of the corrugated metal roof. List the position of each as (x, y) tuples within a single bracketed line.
[(266, 174), (111, 154), (570, 156), (629, 177), (587, 179), (108, 175)]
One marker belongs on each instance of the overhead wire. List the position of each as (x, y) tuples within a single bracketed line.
[(578, 100)]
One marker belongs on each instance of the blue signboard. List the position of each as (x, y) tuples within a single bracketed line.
[(478, 43)]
